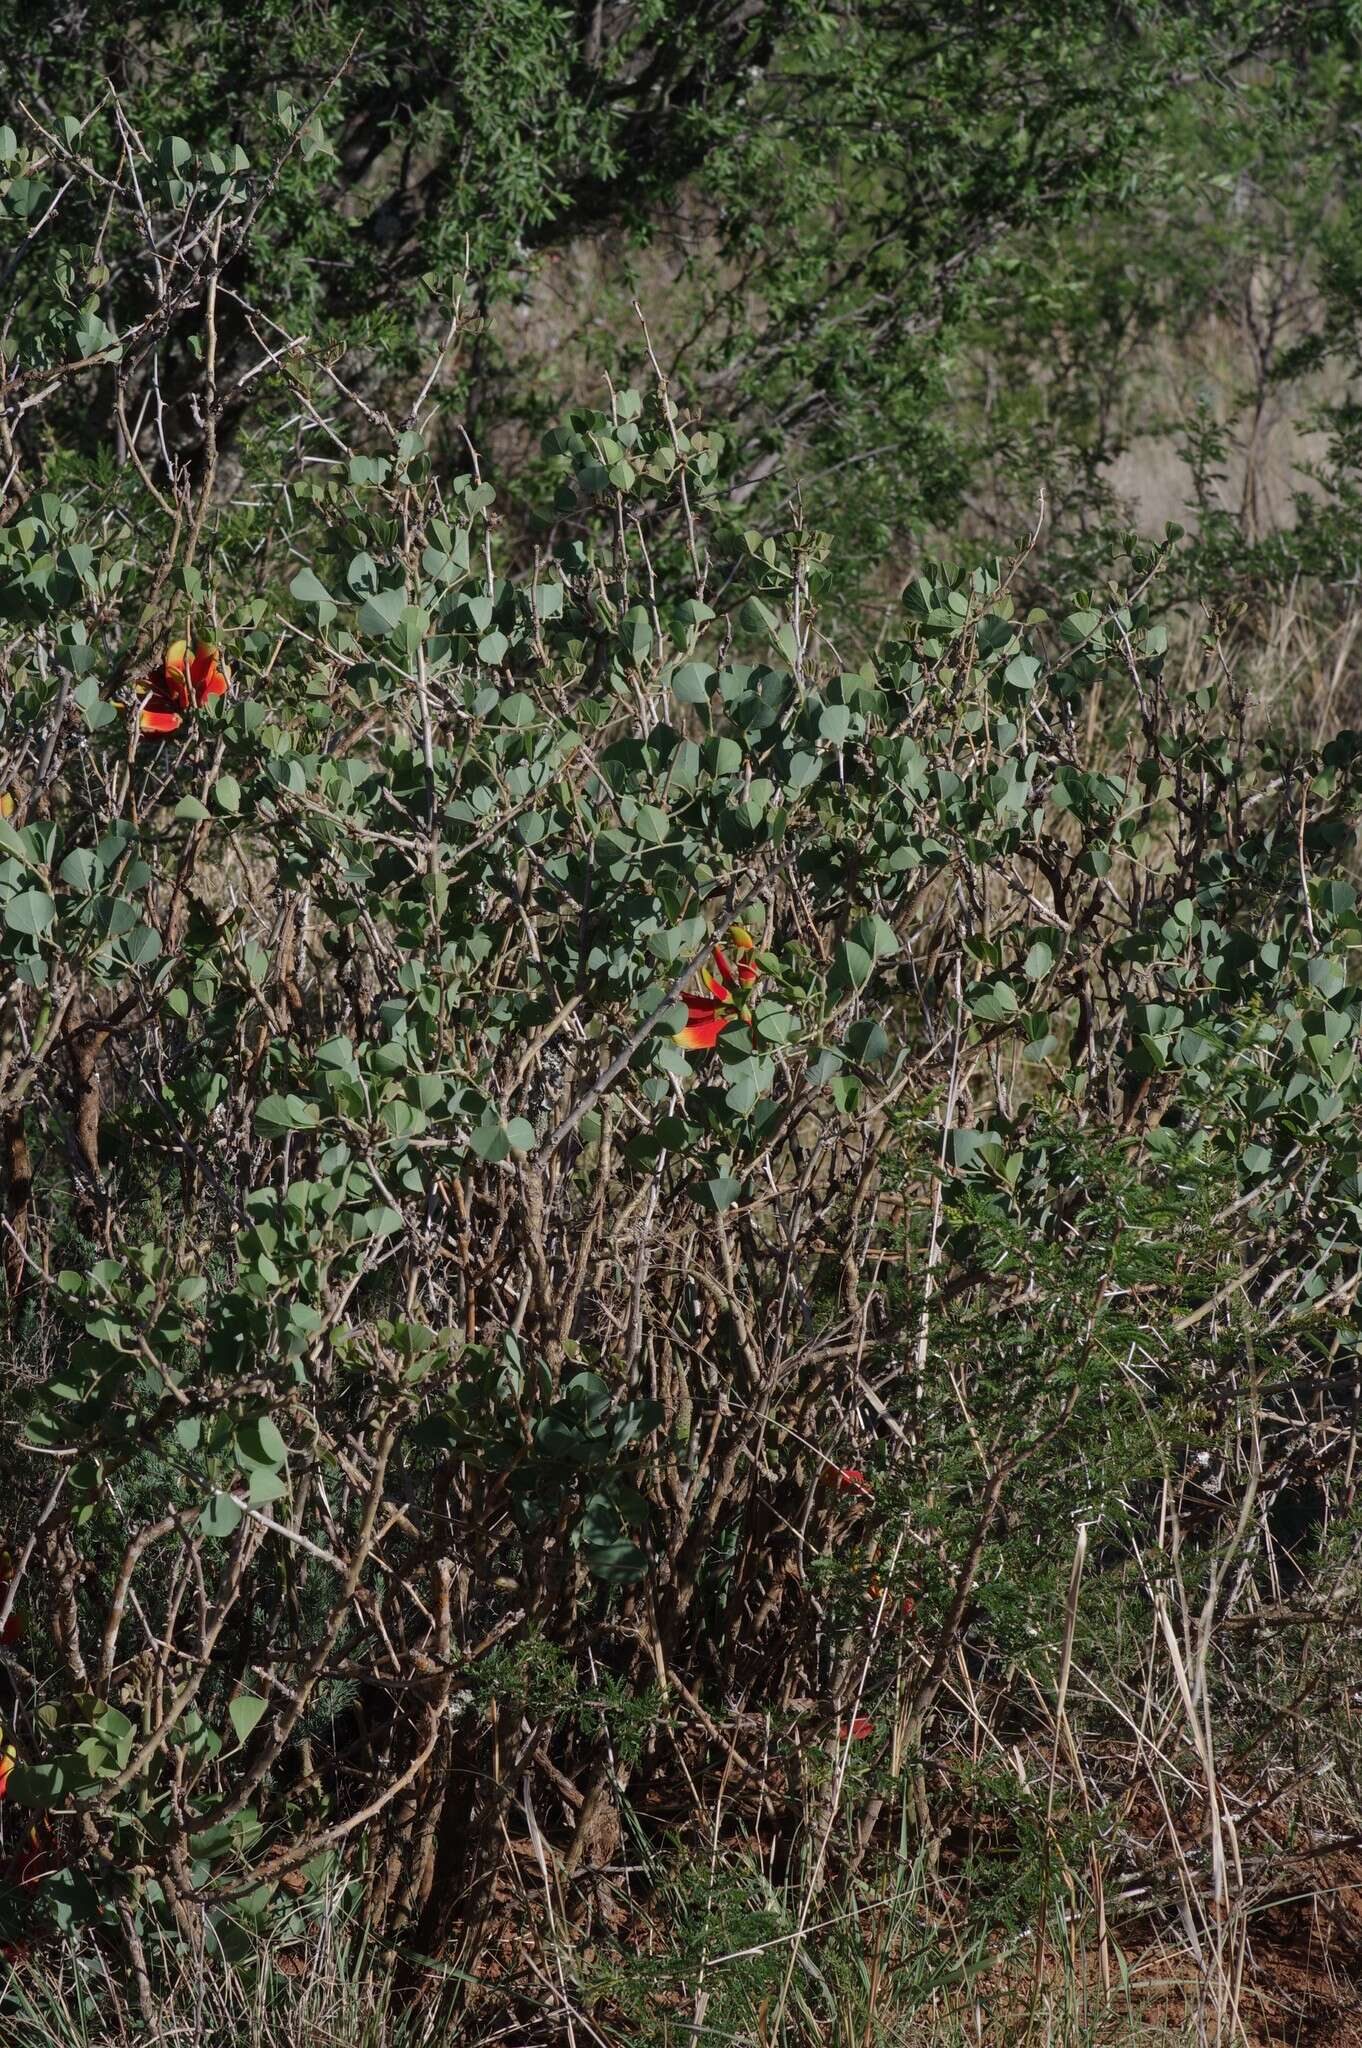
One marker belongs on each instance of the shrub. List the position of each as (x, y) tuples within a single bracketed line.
[(459, 1420)]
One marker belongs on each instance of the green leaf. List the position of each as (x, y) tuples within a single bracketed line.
[(382, 1220), (381, 613), (689, 682), (259, 1443), (286, 1113), (30, 912), (616, 1560), (868, 1041), (723, 756), (636, 634), (52, 1783), (227, 793), (973, 1151), (1021, 671), (265, 1485), (95, 338), (756, 617), (995, 1004), (117, 1730), (879, 939), (140, 946), (852, 966), (307, 590), (80, 870), (492, 1140), (1041, 1041), (95, 712), (244, 1713), (221, 1517), (776, 1025)]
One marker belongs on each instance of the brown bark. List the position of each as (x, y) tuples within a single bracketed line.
[(85, 1041), (17, 1170)]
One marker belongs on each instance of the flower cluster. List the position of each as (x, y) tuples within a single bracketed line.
[(722, 1004), (181, 680)]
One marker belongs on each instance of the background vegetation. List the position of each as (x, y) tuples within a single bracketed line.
[(519, 1528)]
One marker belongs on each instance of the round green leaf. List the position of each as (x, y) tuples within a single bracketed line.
[(30, 912)]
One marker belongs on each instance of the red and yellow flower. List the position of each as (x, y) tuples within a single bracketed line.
[(721, 1003), (183, 679)]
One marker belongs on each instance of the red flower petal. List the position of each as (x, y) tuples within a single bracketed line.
[(704, 1021), (207, 679), (845, 1479), (742, 941), (744, 973), (857, 1730), (157, 716)]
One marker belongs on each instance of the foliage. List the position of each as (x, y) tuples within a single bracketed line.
[(457, 1429), (852, 228)]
